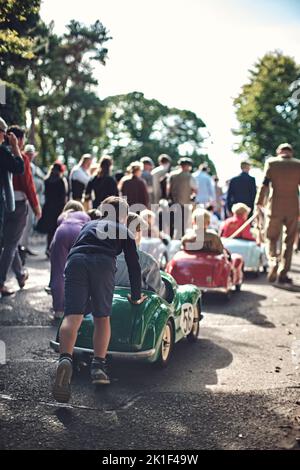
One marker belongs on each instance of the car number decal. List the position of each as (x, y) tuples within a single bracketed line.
[(187, 318)]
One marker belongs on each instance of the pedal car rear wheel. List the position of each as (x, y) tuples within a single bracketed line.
[(193, 336), (166, 345)]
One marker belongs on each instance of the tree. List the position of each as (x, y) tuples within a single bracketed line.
[(64, 107), (18, 23), (133, 126), (266, 110), (23, 41), (56, 74), (13, 111)]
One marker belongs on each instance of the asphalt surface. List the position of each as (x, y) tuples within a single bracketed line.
[(236, 388)]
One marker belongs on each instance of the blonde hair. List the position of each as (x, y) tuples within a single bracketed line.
[(201, 213), (145, 214), (240, 209), (74, 206)]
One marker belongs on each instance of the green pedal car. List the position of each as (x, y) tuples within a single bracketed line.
[(148, 331)]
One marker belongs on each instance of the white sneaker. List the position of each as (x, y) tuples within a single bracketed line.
[(62, 385)]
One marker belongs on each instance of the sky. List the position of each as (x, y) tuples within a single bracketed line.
[(190, 54)]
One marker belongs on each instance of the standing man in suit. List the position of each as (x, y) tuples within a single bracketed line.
[(181, 187), (280, 190), (242, 189)]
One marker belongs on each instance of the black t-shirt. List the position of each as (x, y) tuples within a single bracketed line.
[(111, 238), (8, 162)]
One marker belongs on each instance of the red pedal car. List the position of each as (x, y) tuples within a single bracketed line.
[(208, 271)]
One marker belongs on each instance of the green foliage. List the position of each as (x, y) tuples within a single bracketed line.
[(14, 110), (56, 74), (18, 22), (133, 126), (74, 123), (266, 112), (18, 13), (63, 87)]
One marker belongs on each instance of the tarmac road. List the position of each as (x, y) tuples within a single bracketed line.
[(236, 388)]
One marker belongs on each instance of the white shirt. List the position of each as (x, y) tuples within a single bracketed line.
[(79, 174), (158, 175)]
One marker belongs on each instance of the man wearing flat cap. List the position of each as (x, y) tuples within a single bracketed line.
[(279, 191)]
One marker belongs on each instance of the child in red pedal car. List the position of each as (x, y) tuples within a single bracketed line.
[(201, 238), (230, 226)]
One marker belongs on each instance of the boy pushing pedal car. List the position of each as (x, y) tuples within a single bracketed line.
[(90, 278)]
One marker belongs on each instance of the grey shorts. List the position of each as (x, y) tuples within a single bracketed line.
[(89, 284)]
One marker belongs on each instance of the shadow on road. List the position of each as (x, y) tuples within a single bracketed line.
[(244, 305), (192, 368), (288, 288)]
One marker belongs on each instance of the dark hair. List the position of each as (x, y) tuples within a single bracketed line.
[(119, 175), (164, 158), (104, 166), (136, 223), (147, 161), (244, 164), (17, 130), (94, 214), (57, 169), (132, 217), (185, 161)]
